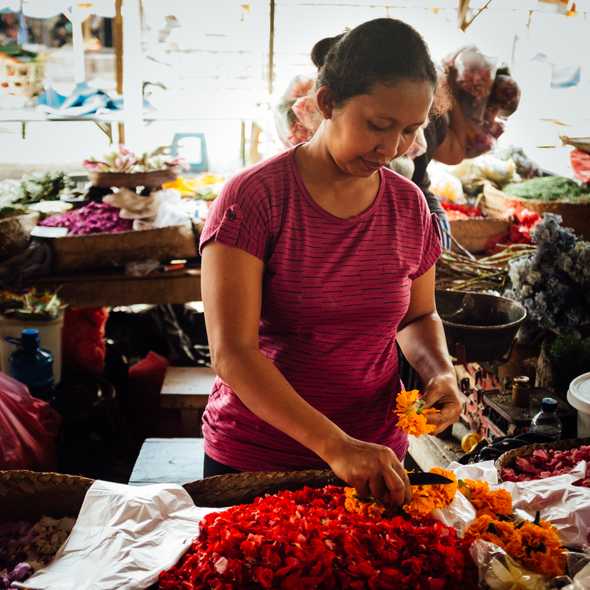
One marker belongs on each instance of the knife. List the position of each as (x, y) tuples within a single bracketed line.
[(417, 479), (428, 479)]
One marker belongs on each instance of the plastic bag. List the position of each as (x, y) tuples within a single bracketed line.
[(475, 71), (505, 94), (445, 185), (498, 571), (290, 128), (485, 94), (83, 339), (28, 428)]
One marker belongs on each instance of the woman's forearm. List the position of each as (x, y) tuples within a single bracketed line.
[(424, 345), (266, 393)]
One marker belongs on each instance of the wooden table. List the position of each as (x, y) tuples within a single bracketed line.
[(186, 390), (112, 289), (169, 460)]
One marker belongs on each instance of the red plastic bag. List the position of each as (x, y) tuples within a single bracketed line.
[(28, 428), (83, 339)]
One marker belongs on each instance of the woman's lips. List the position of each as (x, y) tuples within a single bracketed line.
[(372, 165)]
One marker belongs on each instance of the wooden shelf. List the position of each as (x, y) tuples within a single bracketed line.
[(116, 289)]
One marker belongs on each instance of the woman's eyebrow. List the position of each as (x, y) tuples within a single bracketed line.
[(393, 120)]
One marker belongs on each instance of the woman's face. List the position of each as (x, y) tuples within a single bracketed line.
[(370, 130)]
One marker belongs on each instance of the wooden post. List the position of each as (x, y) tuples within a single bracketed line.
[(118, 43), (271, 48), (132, 78)]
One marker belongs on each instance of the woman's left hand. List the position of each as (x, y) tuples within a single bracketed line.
[(442, 393)]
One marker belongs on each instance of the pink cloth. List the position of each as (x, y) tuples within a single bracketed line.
[(334, 293)]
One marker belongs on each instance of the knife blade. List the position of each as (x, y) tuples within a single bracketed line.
[(428, 479), (418, 479)]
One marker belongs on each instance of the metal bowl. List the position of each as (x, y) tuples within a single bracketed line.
[(479, 327)]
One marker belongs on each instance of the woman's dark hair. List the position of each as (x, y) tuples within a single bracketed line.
[(383, 50)]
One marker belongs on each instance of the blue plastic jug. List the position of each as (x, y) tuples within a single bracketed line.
[(32, 365)]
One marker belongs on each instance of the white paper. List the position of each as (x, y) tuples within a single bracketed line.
[(560, 502), (123, 538), (484, 471), (581, 580), (40, 231)]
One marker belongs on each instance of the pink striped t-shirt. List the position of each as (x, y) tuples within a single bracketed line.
[(334, 292)]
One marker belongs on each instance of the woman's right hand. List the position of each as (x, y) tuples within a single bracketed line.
[(374, 470)]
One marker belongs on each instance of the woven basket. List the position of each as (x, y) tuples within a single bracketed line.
[(575, 214), (29, 495), (476, 234), (240, 488), (152, 179), (507, 459), (15, 233)]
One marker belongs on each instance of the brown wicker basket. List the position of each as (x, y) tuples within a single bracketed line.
[(151, 179), (507, 459), (29, 495), (15, 233), (240, 488), (575, 214), (476, 234)]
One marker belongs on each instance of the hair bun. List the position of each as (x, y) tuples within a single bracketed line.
[(322, 48)]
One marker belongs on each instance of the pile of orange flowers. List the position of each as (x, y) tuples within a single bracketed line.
[(425, 499), (484, 500), (352, 503), (535, 545), (412, 416)]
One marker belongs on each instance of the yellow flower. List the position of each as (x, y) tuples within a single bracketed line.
[(412, 417), (501, 533), (425, 499), (486, 501), (353, 504), (541, 549)]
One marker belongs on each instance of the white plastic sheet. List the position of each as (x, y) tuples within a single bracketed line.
[(560, 502), (123, 538)]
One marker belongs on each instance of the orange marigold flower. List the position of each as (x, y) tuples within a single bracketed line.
[(541, 549), (412, 417), (353, 504), (486, 501), (501, 533), (425, 499)]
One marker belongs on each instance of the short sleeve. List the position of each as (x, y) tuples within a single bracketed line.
[(431, 243), (239, 217)]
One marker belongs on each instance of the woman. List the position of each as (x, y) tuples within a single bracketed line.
[(313, 264)]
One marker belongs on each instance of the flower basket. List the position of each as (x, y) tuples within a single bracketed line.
[(575, 214), (29, 495), (476, 234), (97, 251), (151, 179), (240, 488), (507, 459)]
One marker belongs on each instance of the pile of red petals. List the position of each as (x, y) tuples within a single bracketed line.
[(461, 210), (544, 463), (307, 539), (94, 218)]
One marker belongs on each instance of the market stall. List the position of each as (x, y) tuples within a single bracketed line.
[(105, 359)]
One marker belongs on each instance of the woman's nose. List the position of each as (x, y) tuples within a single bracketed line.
[(389, 146)]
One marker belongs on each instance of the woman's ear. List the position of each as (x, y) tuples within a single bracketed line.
[(325, 101)]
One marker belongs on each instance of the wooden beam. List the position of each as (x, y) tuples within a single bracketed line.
[(271, 48), (118, 43), (116, 289)]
